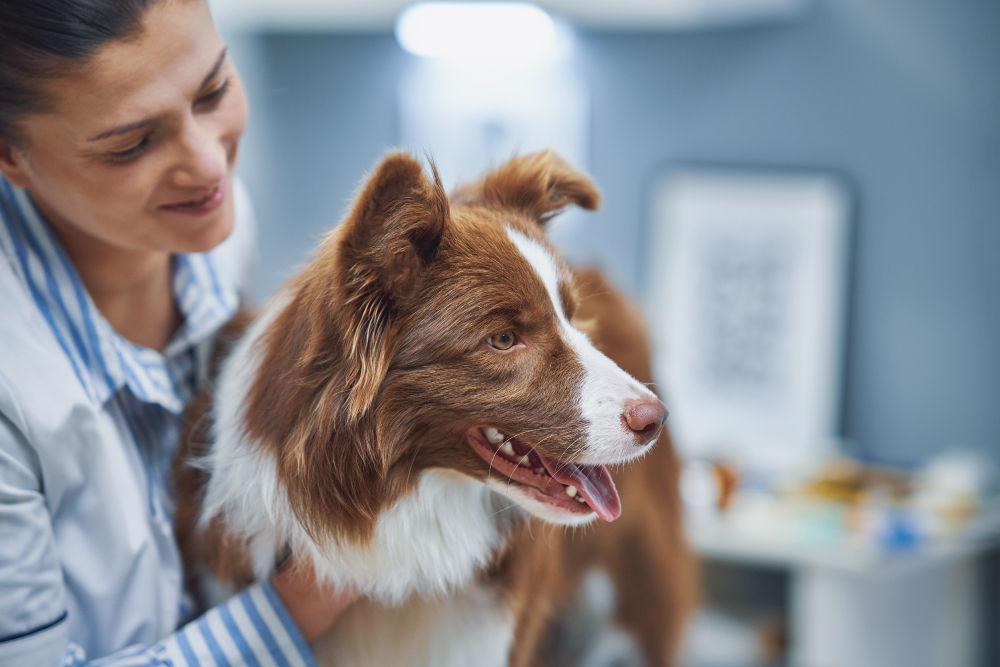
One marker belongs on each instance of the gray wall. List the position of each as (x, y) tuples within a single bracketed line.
[(900, 96), (322, 112)]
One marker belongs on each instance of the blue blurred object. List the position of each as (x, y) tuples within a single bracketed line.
[(901, 533)]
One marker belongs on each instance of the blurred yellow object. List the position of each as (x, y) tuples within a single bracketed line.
[(849, 482)]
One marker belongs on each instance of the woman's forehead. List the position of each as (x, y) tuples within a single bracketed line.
[(145, 74)]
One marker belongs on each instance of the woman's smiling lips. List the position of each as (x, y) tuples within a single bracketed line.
[(206, 203)]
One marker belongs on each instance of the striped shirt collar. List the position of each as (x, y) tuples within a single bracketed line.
[(104, 361)]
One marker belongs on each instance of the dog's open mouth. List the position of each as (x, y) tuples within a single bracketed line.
[(575, 487)]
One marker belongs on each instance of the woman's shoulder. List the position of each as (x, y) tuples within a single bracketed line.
[(37, 380)]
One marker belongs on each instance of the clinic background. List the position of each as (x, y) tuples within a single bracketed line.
[(899, 98)]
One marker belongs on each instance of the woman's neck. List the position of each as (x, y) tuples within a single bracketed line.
[(132, 289)]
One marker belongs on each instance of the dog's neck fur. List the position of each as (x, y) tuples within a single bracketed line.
[(431, 540)]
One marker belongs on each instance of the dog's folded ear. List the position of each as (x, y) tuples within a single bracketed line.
[(539, 185)]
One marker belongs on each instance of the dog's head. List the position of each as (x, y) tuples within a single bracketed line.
[(431, 333)]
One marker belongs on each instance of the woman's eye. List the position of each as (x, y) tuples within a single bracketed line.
[(211, 98), (128, 154), (502, 341)]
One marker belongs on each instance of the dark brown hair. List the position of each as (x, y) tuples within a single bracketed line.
[(45, 39)]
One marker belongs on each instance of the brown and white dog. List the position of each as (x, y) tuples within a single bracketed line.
[(407, 408)]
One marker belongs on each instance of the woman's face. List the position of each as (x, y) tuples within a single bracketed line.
[(137, 151)]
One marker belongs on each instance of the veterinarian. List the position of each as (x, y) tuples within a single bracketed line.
[(124, 246)]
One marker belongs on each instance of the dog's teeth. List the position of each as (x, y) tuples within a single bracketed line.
[(540, 471), (507, 449), (571, 491), (525, 460), (580, 499), (494, 436)]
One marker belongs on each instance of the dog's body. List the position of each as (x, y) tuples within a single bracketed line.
[(404, 412)]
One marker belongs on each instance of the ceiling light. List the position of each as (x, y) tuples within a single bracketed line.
[(476, 30)]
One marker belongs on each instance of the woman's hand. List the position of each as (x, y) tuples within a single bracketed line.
[(314, 607)]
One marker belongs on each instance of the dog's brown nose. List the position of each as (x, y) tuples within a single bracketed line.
[(645, 418)]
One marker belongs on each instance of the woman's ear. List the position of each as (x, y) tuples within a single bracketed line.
[(12, 162)]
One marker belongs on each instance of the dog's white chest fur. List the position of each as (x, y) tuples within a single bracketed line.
[(430, 542), (469, 627)]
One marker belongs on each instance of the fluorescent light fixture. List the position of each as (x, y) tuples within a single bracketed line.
[(476, 30)]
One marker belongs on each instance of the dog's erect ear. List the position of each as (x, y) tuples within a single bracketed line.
[(389, 238), (540, 185), (394, 228)]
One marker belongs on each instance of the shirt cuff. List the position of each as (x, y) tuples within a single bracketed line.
[(250, 629)]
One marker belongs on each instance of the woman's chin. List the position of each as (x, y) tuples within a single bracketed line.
[(205, 234), (218, 233)]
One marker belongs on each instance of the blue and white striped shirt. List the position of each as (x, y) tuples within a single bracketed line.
[(89, 567)]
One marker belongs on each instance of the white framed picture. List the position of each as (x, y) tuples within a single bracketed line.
[(746, 277)]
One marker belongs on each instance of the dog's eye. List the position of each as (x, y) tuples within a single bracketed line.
[(502, 341)]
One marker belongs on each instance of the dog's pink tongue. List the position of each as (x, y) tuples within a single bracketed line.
[(593, 482)]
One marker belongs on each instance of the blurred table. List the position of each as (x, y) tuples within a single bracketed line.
[(854, 604)]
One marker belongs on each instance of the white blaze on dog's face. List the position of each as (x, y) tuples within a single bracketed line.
[(607, 390), (557, 471)]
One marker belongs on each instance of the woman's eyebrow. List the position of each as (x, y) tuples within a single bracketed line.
[(216, 67), (124, 129), (131, 127)]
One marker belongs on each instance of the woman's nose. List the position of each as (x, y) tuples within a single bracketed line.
[(203, 159)]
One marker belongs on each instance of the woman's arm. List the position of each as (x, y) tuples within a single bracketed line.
[(313, 607), (252, 628)]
